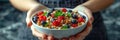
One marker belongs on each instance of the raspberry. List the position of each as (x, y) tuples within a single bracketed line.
[(42, 18), (55, 23), (74, 25), (80, 19), (40, 13), (64, 10)]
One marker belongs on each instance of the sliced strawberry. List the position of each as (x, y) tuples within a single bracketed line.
[(42, 18), (55, 23), (40, 13), (74, 25), (64, 10), (80, 19), (61, 17)]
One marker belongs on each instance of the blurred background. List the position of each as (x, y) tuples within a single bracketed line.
[(11, 19)]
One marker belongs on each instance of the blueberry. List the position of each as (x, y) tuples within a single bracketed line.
[(43, 23), (74, 16), (34, 19), (84, 17), (74, 21), (52, 9), (70, 11), (48, 14)]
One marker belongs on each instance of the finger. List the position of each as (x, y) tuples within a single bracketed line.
[(29, 24), (88, 12), (30, 13), (38, 34), (65, 38), (50, 38), (72, 38), (88, 28), (56, 39)]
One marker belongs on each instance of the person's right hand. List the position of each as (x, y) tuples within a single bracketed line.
[(41, 36)]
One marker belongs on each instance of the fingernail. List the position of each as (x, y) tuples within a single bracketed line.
[(72, 38), (56, 39), (91, 19), (89, 23), (64, 38), (51, 38), (44, 36), (77, 35), (29, 24)]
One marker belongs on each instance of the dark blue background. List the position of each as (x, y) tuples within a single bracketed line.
[(11, 19)]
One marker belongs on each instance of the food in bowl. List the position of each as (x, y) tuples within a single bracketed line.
[(59, 22), (60, 19)]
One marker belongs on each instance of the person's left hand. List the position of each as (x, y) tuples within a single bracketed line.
[(86, 31)]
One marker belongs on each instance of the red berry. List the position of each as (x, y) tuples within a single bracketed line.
[(74, 25), (55, 23), (61, 17), (80, 19), (40, 13), (64, 10), (42, 18), (59, 20)]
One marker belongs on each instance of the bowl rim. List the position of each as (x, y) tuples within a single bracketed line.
[(80, 12)]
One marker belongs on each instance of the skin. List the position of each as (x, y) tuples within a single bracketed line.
[(32, 5)]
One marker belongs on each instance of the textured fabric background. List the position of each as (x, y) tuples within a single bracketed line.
[(11, 20)]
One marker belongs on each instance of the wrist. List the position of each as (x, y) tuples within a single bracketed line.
[(82, 8), (37, 7)]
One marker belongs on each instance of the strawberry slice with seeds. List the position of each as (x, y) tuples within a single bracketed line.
[(64, 10), (42, 18), (55, 23)]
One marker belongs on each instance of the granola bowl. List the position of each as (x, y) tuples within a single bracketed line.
[(59, 22)]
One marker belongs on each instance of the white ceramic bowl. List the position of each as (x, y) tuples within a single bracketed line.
[(62, 33)]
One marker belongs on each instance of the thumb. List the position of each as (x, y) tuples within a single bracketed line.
[(29, 23), (28, 17)]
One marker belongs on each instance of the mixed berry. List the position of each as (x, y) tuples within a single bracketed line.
[(58, 19)]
